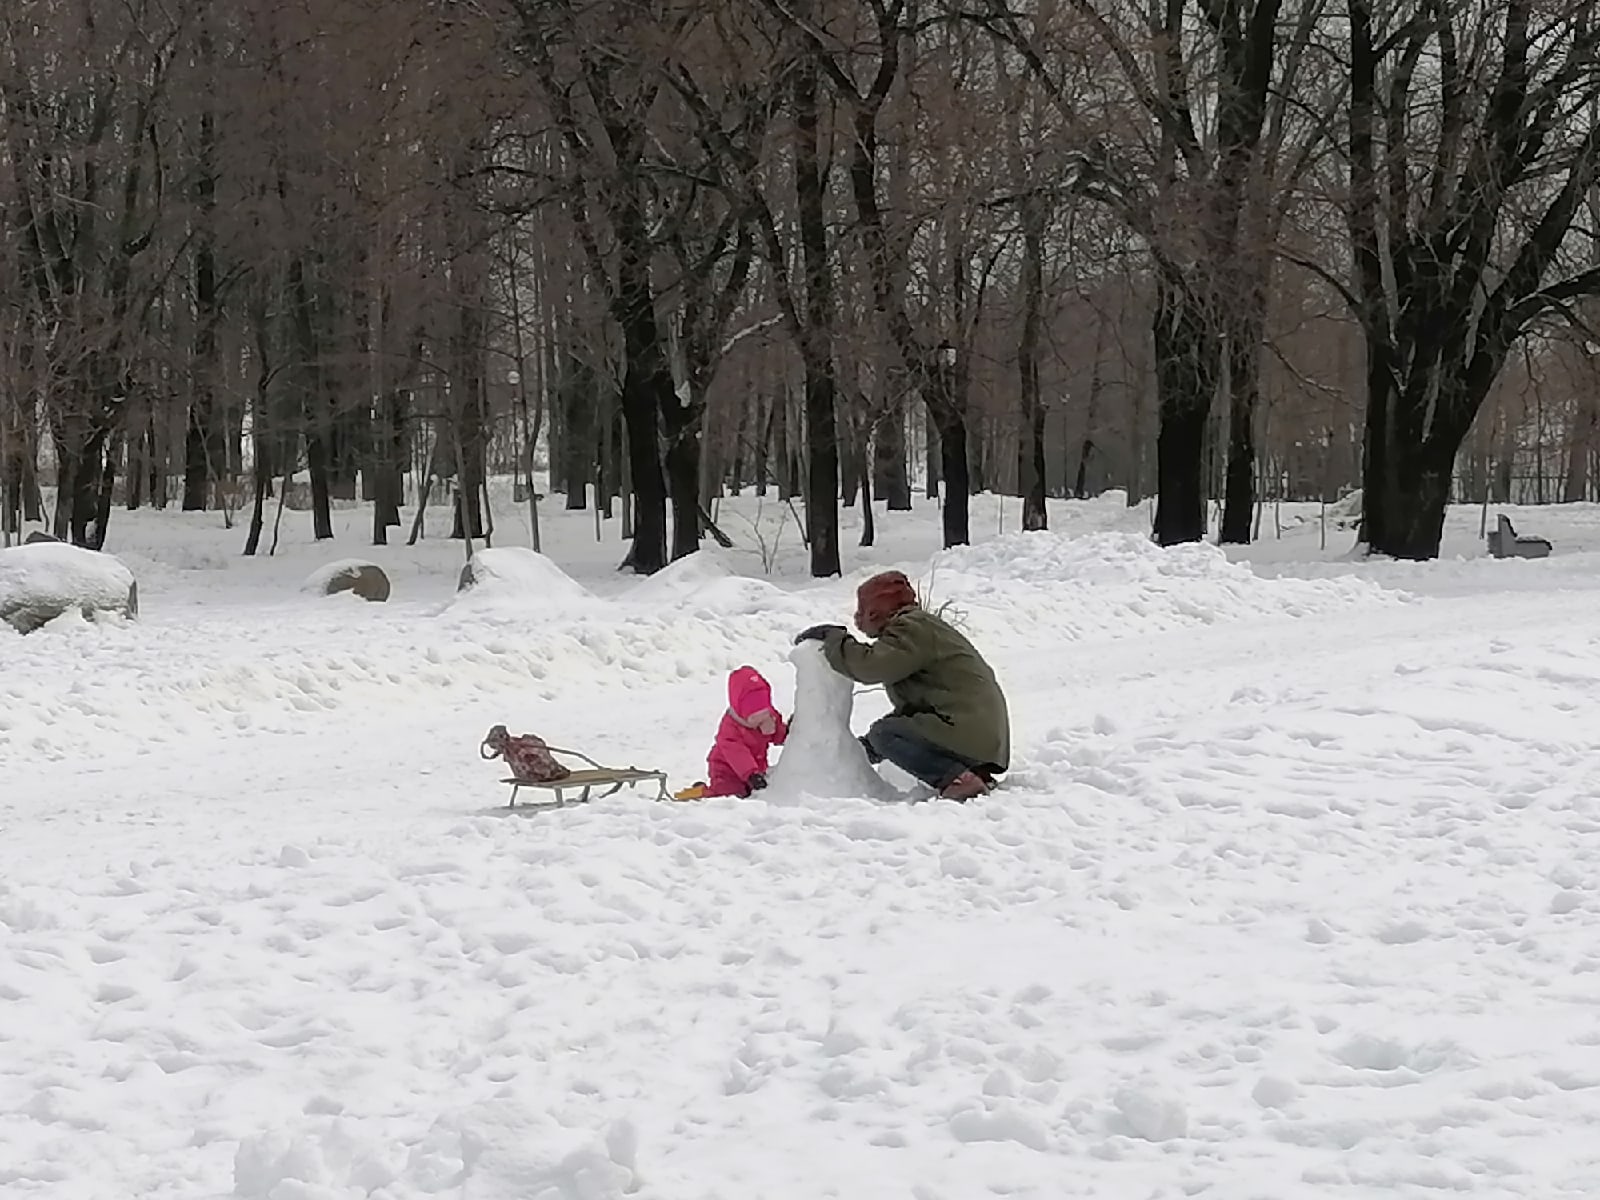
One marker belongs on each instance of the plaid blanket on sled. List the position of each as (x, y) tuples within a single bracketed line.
[(526, 754)]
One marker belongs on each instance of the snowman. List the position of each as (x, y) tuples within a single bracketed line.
[(822, 758)]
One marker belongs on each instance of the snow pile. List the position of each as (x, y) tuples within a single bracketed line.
[(514, 579), (710, 590), (40, 582), (822, 758), (1114, 585), (682, 578)]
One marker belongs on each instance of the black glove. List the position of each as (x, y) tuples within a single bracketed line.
[(817, 633), (757, 781)]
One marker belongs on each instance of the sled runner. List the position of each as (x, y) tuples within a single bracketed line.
[(533, 765), (612, 779)]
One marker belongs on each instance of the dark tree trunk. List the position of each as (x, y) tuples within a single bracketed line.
[(205, 445), (555, 426), (153, 469), (780, 444), (1186, 368), (605, 472), (1408, 455), (762, 450), (821, 387), (707, 308), (853, 460), (263, 486), (317, 468), (646, 385), (107, 484), (261, 437), (1035, 515), (1080, 479), (945, 408), (83, 441), (313, 401), (977, 461), (748, 415), (388, 455), (869, 529), (893, 479), (1575, 484), (137, 470), (1404, 501), (1245, 332), (67, 459), (14, 448), (32, 500), (88, 465), (1505, 458), (351, 435), (467, 403), (683, 483), (579, 402), (1091, 410)]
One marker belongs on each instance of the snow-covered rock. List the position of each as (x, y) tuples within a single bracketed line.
[(822, 758), (40, 582), (1346, 511), (514, 576), (680, 580), (365, 579)]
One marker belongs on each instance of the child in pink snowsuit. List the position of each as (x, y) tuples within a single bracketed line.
[(738, 760)]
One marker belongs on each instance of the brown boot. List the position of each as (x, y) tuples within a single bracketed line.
[(964, 787)]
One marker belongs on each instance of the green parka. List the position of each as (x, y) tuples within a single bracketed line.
[(935, 677)]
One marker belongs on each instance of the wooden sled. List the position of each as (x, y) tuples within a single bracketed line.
[(585, 782)]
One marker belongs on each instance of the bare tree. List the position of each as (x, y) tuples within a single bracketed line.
[(1465, 179)]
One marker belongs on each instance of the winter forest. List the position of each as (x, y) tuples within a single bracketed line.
[(1211, 251)]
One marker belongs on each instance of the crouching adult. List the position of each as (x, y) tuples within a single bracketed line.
[(950, 726)]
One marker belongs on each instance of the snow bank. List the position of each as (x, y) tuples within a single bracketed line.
[(707, 587), (520, 640), (683, 578), (822, 757), (516, 579), (1116, 585), (41, 581)]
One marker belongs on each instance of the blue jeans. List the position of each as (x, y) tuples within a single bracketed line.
[(897, 740)]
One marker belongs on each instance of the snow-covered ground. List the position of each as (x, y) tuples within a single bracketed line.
[(1291, 892)]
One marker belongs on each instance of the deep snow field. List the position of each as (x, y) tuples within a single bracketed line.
[(1292, 890)]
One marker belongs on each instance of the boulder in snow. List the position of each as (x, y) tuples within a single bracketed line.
[(40, 582), (365, 579), (822, 757)]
